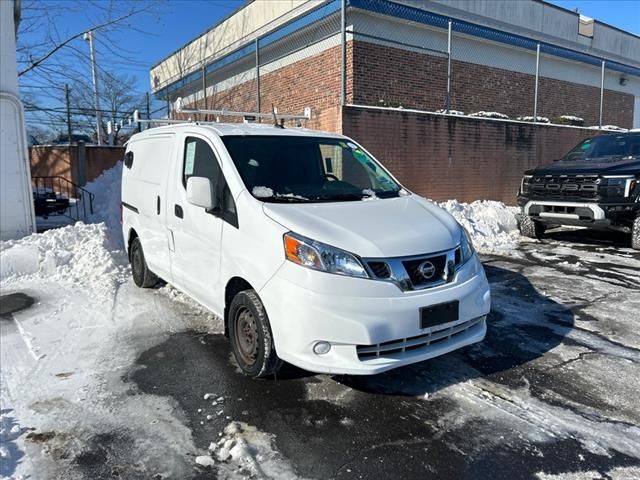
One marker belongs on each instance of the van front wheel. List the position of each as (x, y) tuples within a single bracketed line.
[(251, 337), (142, 276)]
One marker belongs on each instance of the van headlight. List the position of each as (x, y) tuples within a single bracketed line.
[(319, 256), (466, 246)]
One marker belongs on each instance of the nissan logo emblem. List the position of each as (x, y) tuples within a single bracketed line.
[(427, 270)]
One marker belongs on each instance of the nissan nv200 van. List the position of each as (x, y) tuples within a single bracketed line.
[(306, 246)]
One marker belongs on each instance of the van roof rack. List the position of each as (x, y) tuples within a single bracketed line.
[(278, 119), (247, 116)]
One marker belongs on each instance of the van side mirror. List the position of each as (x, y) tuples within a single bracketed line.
[(201, 193)]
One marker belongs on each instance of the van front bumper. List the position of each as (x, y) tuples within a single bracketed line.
[(370, 325)]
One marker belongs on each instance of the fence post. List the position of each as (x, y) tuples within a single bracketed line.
[(535, 91), (258, 76), (601, 95), (204, 91), (82, 166), (66, 97), (148, 105), (343, 57), (448, 103)]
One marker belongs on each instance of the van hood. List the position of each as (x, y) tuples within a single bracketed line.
[(392, 227)]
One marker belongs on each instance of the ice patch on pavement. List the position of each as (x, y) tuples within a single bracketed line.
[(10, 454), (245, 452), (492, 225), (619, 473)]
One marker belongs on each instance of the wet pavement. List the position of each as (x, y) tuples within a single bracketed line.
[(552, 389)]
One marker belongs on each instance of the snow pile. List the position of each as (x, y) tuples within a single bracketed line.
[(532, 119), (492, 225), (484, 114), (245, 452), (106, 204), (80, 254), (450, 112), (612, 128), (572, 118)]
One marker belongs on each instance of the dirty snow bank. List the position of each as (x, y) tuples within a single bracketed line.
[(492, 225), (79, 254), (245, 452)]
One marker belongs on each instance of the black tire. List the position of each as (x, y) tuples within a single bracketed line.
[(635, 234), (530, 228), (251, 337), (142, 276)]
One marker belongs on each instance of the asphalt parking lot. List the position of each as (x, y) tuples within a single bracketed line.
[(552, 390), (550, 394)]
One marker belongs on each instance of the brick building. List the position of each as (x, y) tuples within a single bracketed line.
[(404, 61)]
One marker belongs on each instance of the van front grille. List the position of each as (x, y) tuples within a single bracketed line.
[(380, 269), (436, 270)]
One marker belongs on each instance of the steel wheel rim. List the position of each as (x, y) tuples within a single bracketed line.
[(246, 336)]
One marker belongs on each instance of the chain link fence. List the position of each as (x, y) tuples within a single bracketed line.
[(389, 54), (409, 58)]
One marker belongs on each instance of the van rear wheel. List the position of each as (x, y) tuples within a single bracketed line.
[(142, 276), (251, 337)]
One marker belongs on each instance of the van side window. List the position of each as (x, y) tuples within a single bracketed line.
[(199, 161)]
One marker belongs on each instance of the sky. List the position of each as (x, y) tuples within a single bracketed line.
[(624, 14), (172, 23), (131, 51)]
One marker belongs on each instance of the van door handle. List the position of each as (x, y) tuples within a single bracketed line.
[(158, 204), (178, 211)]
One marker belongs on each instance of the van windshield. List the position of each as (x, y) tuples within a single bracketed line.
[(308, 169)]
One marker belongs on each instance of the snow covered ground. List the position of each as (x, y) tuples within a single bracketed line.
[(102, 379)]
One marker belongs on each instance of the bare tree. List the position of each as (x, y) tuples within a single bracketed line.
[(118, 98), (50, 55), (40, 53)]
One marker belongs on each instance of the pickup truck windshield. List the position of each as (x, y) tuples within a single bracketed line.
[(606, 148), (308, 169)]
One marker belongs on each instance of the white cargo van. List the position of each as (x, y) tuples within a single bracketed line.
[(306, 246)]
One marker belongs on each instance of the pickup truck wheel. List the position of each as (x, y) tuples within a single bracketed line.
[(530, 228), (251, 337), (635, 234), (142, 276)]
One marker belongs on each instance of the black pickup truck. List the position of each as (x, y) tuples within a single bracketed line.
[(595, 185)]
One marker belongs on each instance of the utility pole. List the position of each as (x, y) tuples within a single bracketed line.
[(88, 36), (148, 105)]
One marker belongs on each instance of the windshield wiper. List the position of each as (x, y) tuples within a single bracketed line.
[(285, 199), (339, 197)]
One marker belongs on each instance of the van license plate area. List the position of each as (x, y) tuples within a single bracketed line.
[(438, 314)]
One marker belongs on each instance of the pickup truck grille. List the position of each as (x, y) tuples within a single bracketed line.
[(564, 186)]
